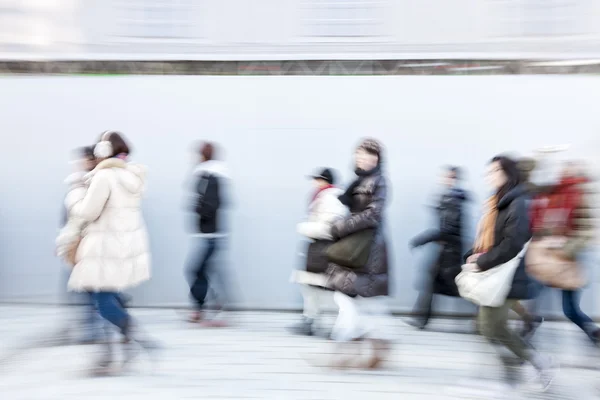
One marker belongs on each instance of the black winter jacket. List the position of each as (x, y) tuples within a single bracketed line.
[(366, 198), (449, 235), (209, 190), (511, 233)]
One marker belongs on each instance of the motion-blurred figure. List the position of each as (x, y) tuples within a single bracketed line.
[(211, 180), (89, 321), (501, 235), (106, 228), (563, 226), (449, 235), (366, 288), (325, 208)]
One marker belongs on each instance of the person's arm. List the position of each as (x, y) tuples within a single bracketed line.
[(83, 204), (369, 218), (515, 235), (431, 235), (87, 203), (330, 210)]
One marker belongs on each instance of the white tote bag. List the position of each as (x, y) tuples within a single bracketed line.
[(488, 288)]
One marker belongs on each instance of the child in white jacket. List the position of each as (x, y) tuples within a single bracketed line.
[(325, 208)]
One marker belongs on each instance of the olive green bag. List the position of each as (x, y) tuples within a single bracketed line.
[(352, 251)]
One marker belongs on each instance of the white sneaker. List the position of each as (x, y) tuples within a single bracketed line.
[(546, 375)]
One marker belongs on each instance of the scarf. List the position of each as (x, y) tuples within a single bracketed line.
[(348, 195), (318, 192), (485, 229)]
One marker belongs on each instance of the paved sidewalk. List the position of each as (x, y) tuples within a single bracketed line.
[(257, 359)]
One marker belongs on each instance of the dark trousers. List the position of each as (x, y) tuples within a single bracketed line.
[(201, 269), (424, 305)]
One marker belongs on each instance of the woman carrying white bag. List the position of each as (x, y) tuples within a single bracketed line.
[(496, 264)]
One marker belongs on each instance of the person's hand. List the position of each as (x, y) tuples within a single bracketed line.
[(471, 268), (473, 258), (412, 245), (334, 232)]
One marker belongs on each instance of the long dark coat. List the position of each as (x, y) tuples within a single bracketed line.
[(366, 198), (448, 264)]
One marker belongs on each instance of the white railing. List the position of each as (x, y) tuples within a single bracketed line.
[(299, 29)]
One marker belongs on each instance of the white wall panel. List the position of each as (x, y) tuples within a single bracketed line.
[(275, 130)]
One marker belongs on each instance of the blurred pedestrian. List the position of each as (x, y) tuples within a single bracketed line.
[(502, 234), (563, 226), (89, 321), (449, 235), (107, 236), (364, 288), (325, 208), (209, 193)]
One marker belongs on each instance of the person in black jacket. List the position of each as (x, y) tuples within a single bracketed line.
[(449, 234), (208, 200), (503, 232)]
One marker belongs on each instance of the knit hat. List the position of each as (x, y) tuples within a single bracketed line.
[(372, 146)]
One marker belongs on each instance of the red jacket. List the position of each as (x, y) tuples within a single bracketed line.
[(553, 213)]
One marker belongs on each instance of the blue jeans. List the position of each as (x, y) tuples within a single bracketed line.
[(90, 317), (570, 304), (110, 307), (202, 269), (571, 309)]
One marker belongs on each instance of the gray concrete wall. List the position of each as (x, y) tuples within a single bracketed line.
[(275, 130)]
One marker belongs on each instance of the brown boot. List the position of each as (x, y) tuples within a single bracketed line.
[(347, 354), (380, 350)]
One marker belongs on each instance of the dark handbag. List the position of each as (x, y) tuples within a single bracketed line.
[(352, 251), (316, 257)]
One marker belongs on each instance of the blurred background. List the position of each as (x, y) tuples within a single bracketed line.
[(298, 29), (284, 86)]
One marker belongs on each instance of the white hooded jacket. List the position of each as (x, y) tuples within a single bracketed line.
[(104, 208), (323, 211)]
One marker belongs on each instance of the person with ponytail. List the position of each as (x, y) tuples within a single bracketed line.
[(105, 238), (502, 233)]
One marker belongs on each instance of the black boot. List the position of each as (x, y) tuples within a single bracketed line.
[(530, 327), (417, 322), (304, 327)]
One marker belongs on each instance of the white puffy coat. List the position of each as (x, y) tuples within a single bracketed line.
[(104, 207), (324, 210)]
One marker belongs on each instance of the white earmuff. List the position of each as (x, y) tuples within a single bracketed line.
[(103, 149)]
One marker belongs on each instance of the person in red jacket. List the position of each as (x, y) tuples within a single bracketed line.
[(563, 210)]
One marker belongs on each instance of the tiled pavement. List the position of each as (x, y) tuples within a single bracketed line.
[(256, 358)]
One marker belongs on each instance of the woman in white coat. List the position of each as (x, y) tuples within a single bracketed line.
[(105, 224), (325, 208)]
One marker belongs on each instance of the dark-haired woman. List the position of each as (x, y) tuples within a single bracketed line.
[(105, 219), (502, 233)]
